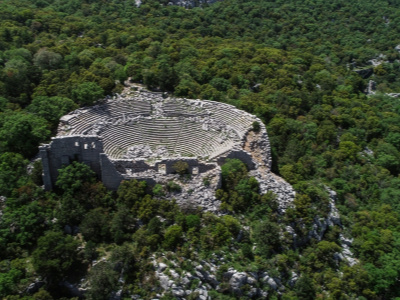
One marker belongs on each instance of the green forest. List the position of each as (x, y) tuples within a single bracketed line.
[(302, 67)]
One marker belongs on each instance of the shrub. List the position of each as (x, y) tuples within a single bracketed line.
[(173, 187), (181, 167), (158, 190), (71, 178), (172, 237), (256, 126), (192, 221)]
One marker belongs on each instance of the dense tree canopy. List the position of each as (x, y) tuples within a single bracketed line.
[(301, 66)]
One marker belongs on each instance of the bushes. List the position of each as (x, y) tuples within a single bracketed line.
[(266, 236), (239, 192), (173, 187), (55, 256), (181, 167), (172, 237), (71, 178), (12, 172)]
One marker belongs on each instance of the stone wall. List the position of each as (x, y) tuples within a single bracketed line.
[(243, 155), (109, 175), (63, 150), (114, 171)]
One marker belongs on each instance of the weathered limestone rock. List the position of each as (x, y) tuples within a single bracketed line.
[(371, 88), (394, 95), (192, 3), (34, 287), (2, 205)]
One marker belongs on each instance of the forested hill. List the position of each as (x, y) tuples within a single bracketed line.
[(301, 66)]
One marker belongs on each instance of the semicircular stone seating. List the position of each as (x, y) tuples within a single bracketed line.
[(176, 124)]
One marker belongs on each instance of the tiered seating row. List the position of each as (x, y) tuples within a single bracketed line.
[(117, 139), (161, 132), (235, 119), (129, 107), (85, 121), (175, 108), (178, 135), (195, 141)]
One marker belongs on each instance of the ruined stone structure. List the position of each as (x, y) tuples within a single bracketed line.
[(141, 135)]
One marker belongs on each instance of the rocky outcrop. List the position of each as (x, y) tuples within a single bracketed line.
[(203, 278), (371, 88), (185, 3), (269, 182), (195, 191), (192, 3), (2, 205), (321, 225), (257, 145), (394, 95), (34, 287)]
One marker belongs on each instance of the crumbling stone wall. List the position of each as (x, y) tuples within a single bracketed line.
[(63, 150)]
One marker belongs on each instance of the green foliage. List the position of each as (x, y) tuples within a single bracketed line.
[(55, 256), (36, 174), (291, 63), (51, 108), (158, 190), (304, 288), (22, 223), (239, 192), (72, 177), (103, 281), (256, 126), (87, 93), (9, 280), (172, 237), (193, 221), (122, 224), (232, 171), (266, 236), (131, 191), (42, 294), (46, 59), (173, 187), (12, 172), (3, 104), (21, 132), (181, 167), (125, 259), (95, 226)]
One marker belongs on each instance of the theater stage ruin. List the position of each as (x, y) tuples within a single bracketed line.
[(141, 135)]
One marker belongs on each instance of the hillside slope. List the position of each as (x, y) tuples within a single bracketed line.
[(303, 67)]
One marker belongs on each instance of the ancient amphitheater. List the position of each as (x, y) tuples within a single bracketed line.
[(141, 135)]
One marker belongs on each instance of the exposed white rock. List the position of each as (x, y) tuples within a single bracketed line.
[(394, 95), (237, 280), (346, 253), (371, 88), (293, 279), (174, 274), (161, 267), (2, 205), (270, 182), (191, 3)]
